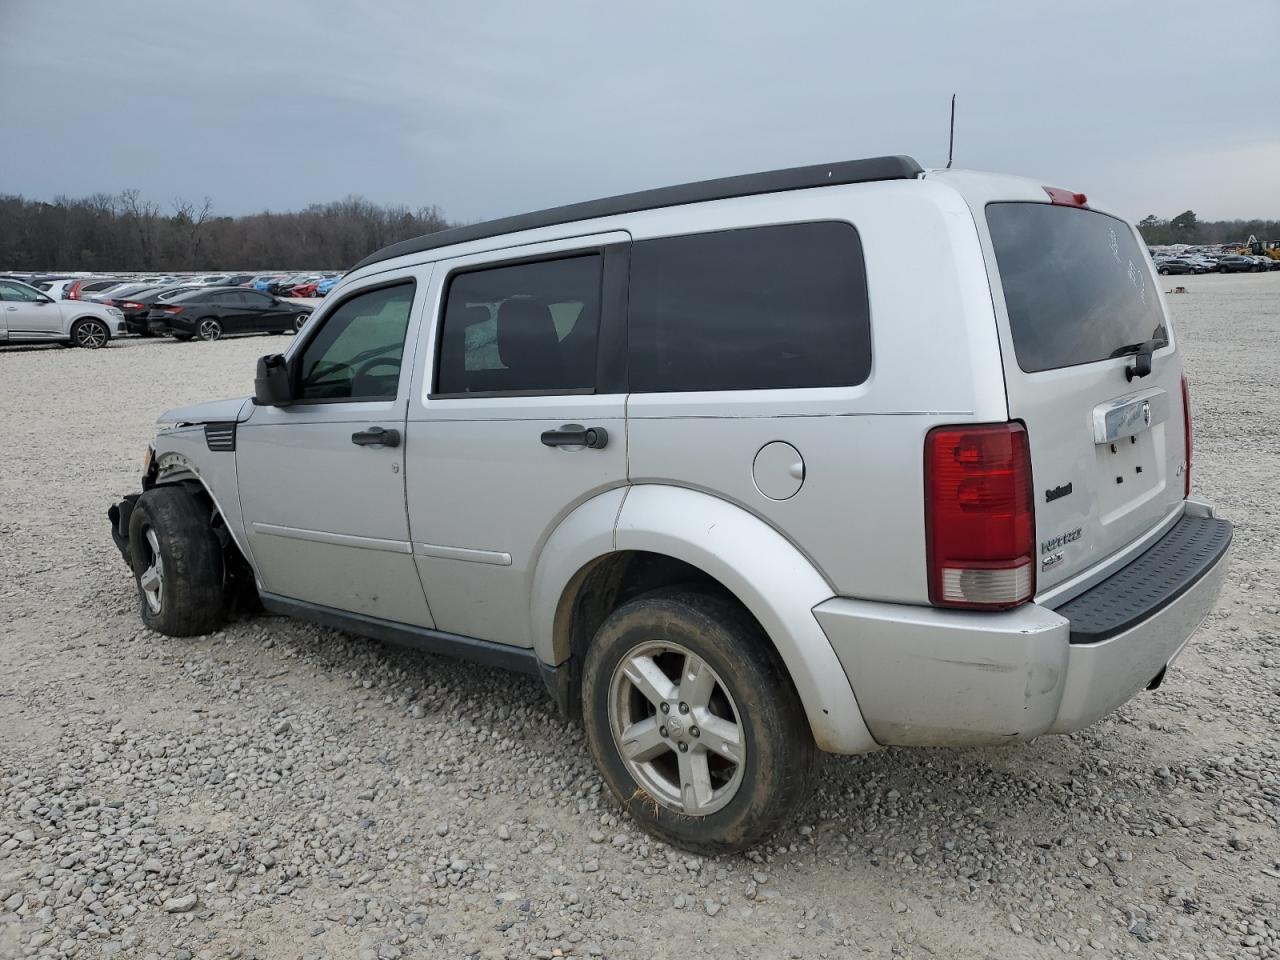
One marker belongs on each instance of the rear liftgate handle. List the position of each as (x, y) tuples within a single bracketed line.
[(576, 435), (376, 437)]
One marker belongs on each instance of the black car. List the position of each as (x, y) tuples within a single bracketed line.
[(213, 312), (1176, 266), (1237, 264), (137, 307)]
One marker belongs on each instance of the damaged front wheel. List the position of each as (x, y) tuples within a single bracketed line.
[(177, 563)]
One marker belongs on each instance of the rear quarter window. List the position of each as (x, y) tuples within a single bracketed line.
[(757, 308)]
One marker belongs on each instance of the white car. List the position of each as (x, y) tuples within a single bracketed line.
[(29, 316)]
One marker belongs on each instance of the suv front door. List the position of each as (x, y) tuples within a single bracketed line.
[(526, 355), (28, 313), (322, 480)]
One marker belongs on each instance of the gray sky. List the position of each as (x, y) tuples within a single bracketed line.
[(492, 108)]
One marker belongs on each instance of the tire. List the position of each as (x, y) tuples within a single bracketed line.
[(90, 334), (300, 321), (740, 803), (183, 594), (209, 329), (1164, 272)]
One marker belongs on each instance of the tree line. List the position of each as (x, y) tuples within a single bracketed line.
[(1186, 227), (126, 232)]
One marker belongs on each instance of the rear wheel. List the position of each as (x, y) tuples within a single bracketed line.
[(300, 321), (177, 563), (1164, 272), (693, 722), (210, 329), (90, 334)]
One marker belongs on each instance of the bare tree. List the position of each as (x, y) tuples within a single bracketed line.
[(191, 220)]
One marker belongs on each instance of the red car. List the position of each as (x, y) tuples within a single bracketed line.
[(307, 289)]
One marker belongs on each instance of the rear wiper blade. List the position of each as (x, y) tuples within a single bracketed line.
[(1143, 351)]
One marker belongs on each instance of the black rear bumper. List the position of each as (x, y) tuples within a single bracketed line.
[(1158, 577)]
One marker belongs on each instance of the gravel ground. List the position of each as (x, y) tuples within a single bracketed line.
[(280, 790)]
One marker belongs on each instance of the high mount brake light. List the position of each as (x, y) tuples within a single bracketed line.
[(1066, 198), (979, 517)]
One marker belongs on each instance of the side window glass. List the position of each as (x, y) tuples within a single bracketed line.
[(356, 353), (763, 307), (521, 328), (16, 292)]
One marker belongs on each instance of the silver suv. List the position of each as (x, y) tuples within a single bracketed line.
[(822, 459)]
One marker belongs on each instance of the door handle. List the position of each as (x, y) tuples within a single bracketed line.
[(576, 435), (376, 437)]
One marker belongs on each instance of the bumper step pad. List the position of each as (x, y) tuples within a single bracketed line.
[(1151, 582)]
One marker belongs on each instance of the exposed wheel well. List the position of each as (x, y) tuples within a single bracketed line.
[(601, 587), (242, 592)]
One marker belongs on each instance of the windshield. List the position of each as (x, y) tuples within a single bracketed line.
[(1076, 285)]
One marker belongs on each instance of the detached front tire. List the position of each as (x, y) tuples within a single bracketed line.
[(694, 723), (177, 563)]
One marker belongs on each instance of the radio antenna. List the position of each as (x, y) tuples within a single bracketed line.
[(951, 145)]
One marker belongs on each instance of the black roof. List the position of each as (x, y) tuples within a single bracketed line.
[(745, 185)]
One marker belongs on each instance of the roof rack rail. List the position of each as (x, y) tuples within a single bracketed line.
[(745, 185)]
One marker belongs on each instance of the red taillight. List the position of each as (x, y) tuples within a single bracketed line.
[(73, 292), (1186, 435), (979, 520), (1066, 198), (172, 310), (130, 305)]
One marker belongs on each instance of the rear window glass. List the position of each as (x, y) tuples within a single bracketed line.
[(763, 307), (1076, 285), (522, 328)]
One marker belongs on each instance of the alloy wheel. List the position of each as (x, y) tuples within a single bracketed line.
[(152, 578), (677, 728), (301, 321), (210, 330), (91, 335)]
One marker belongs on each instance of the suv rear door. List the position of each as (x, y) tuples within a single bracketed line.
[(1075, 295), (524, 356)]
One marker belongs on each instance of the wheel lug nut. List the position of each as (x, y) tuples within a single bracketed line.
[(662, 731), (684, 708), (693, 731), (665, 708), (684, 747)]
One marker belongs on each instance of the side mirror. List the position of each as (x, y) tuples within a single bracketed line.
[(273, 386)]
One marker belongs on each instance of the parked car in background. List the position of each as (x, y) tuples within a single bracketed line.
[(211, 313), (1236, 264), (137, 308), (261, 281), (1175, 265), (28, 315), (307, 288), (280, 286), (119, 291), (327, 284), (83, 289)]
